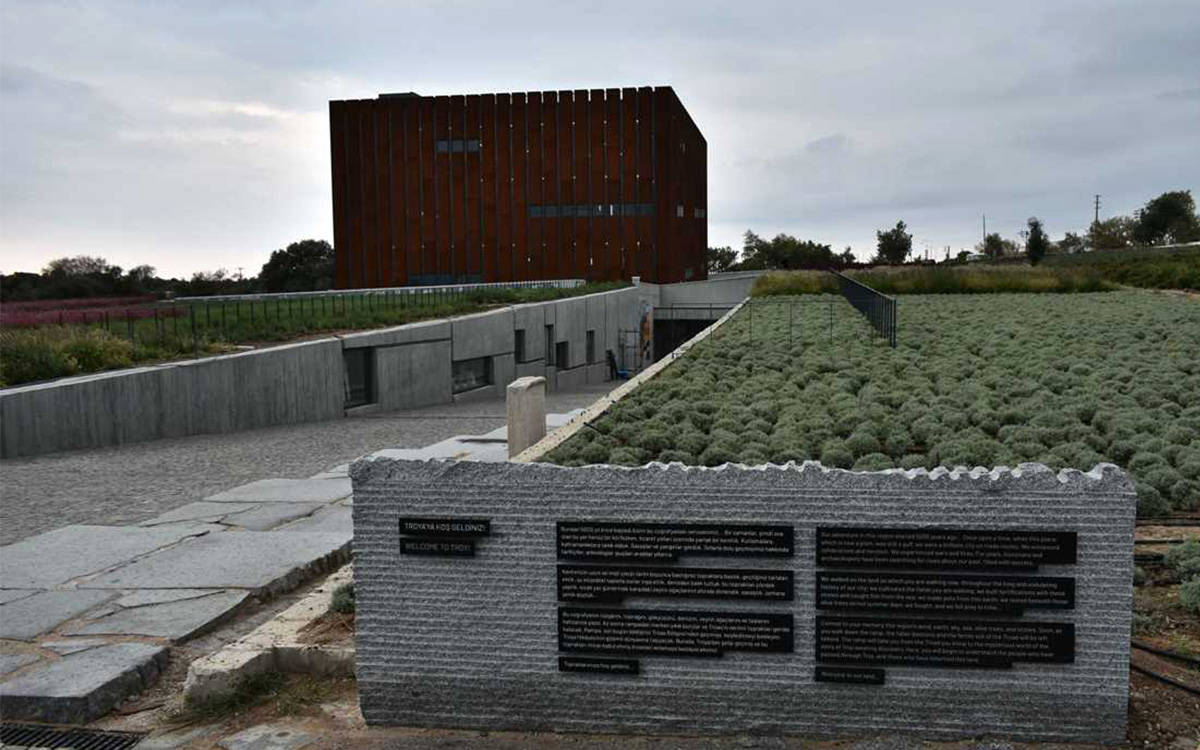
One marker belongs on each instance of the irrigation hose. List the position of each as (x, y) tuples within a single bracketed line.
[(1165, 679), (1164, 652)]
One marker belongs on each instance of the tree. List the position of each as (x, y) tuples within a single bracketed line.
[(992, 246), (721, 258), (784, 252), (1111, 234), (894, 245), (1169, 218), (1070, 243), (303, 266), (1036, 243), (846, 257), (80, 265)]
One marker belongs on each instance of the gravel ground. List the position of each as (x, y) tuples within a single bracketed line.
[(130, 483)]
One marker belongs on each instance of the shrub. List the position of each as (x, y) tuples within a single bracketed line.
[(1184, 559), (343, 601), (1150, 503), (873, 462), (1189, 595)]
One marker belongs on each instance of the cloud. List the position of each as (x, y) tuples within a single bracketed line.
[(194, 135)]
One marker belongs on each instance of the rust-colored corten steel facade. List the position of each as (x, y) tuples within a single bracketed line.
[(599, 184)]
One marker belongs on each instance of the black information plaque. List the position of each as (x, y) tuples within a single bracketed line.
[(942, 643), (445, 527), (967, 549), (664, 632), (601, 541), (942, 593), (849, 675), (598, 665), (438, 547), (612, 583)]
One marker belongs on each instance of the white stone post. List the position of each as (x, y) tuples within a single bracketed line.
[(526, 404)]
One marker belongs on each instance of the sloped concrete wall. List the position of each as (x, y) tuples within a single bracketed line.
[(472, 641), (305, 382), (300, 382)]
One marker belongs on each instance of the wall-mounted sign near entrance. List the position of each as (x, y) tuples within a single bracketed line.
[(442, 537)]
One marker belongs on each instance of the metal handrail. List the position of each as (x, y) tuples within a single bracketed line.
[(878, 308)]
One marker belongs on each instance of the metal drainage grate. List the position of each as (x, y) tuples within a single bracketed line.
[(39, 736)]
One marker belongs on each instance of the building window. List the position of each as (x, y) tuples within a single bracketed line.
[(458, 146), (469, 374), (585, 210), (360, 376), (698, 213), (561, 360), (519, 344), (549, 345), (591, 347), (679, 211)]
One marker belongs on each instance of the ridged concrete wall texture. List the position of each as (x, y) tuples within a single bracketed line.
[(305, 382), (471, 642)]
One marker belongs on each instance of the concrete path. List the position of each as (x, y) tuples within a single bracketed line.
[(128, 484)]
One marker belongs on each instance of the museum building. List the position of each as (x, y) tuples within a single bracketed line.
[(600, 184)]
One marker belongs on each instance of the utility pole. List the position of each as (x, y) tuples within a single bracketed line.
[(1097, 219), (985, 231)]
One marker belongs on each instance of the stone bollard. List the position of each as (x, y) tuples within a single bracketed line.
[(526, 401)]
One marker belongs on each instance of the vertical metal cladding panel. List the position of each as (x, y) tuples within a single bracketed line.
[(520, 216), (549, 185), (535, 248), (425, 193), (645, 226), (337, 159), (456, 165), (473, 263), (488, 187), (597, 205), (612, 190), (431, 262), (368, 148), (355, 177), (566, 193), (663, 114), (579, 182), (628, 180), (504, 156), (386, 265), (399, 216)]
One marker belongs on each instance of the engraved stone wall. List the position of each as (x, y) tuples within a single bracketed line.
[(474, 641)]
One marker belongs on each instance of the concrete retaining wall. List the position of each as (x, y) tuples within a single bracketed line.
[(472, 641), (305, 382)]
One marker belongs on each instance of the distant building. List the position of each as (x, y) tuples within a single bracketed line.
[(603, 184)]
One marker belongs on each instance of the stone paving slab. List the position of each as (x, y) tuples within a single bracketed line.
[(73, 645), (263, 562), (25, 619), (268, 737), (11, 595), (286, 491), (13, 662), (334, 518), (201, 510), (178, 620), (81, 686), (58, 556), (255, 516)]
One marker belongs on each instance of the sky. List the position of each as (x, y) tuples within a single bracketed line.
[(193, 136)]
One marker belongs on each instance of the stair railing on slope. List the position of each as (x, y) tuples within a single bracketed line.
[(879, 309)]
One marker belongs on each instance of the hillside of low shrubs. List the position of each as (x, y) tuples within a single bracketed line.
[(1065, 380)]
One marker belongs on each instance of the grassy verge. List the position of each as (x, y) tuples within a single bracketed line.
[(197, 328), (1147, 268), (996, 380), (941, 280)]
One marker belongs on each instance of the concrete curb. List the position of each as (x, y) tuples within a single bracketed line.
[(275, 647)]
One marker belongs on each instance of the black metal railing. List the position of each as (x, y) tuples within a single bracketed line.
[(879, 309)]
